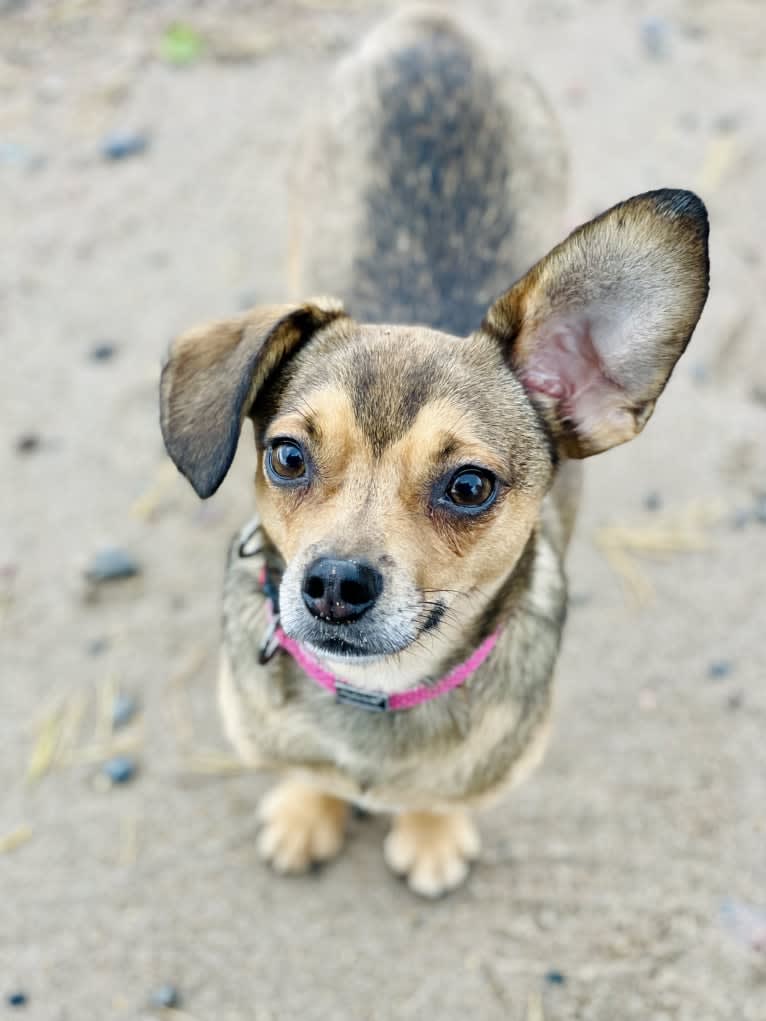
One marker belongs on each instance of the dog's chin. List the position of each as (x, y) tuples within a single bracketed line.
[(347, 656), (341, 649)]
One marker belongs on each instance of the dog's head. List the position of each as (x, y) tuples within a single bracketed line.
[(400, 468)]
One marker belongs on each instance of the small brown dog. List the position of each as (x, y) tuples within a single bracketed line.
[(392, 620)]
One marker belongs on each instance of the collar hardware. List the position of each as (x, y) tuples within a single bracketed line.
[(373, 701), (270, 644)]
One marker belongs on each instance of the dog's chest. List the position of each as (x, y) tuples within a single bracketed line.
[(457, 747)]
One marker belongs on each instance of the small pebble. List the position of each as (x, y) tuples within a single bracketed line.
[(555, 978), (647, 700), (121, 145), (751, 256), (17, 999), (653, 501), (735, 701), (359, 813), (119, 770), (165, 996), (102, 352), (726, 124), (655, 36), (97, 646), (13, 154), (124, 709), (27, 443), (720, 669), (740, 518), (112, 564), (693, 30)]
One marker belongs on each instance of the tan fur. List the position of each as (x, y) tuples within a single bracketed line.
[(433, 850), (300, 826), (425, 132)]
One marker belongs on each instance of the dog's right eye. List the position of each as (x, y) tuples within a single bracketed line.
[(285, 461)]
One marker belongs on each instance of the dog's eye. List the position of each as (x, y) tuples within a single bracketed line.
[(471, 487), (286, 461)]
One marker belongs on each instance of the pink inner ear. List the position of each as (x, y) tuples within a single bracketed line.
[(564, 365)]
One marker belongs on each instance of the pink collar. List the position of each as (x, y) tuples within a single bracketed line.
[(376, 701)]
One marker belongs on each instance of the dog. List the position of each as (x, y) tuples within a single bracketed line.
[(393, 616)]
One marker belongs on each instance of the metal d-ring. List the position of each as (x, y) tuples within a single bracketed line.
[(270, 643)]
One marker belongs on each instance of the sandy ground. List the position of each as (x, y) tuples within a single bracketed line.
[(612, 865)]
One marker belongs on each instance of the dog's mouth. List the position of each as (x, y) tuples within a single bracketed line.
[(360, 651), (338, 646), (346, 655), (351, 641), (364, 648)]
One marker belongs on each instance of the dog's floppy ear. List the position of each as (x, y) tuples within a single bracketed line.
[(594, 329), (212, 378)]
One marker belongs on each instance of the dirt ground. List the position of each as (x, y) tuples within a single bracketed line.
[(628, 863)]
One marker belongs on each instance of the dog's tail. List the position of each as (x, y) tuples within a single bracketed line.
[(428, 182)]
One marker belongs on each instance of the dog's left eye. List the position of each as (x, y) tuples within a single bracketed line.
[(471, 488), (286, 461)]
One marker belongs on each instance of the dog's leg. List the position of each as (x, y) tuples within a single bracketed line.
[(432, 849), (301, 826)]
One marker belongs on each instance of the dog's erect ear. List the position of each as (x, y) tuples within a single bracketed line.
[(212, 378), (594, 329)]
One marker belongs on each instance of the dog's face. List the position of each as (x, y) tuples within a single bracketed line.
[(401, 470)]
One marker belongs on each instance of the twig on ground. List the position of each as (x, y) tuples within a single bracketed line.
[(46, 743), (16, 838), (150, 501), (718, 160), (684, 532), (72, 716), (535, 1010)]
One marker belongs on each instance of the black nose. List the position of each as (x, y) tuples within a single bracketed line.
[(339, 591)]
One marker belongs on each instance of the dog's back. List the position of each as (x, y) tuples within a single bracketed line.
[(428, 183)]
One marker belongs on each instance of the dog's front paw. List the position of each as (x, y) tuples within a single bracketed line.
[(301, 827), (433, 850)]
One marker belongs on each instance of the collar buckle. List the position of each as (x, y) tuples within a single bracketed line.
[(270, 643), (373, 701)]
